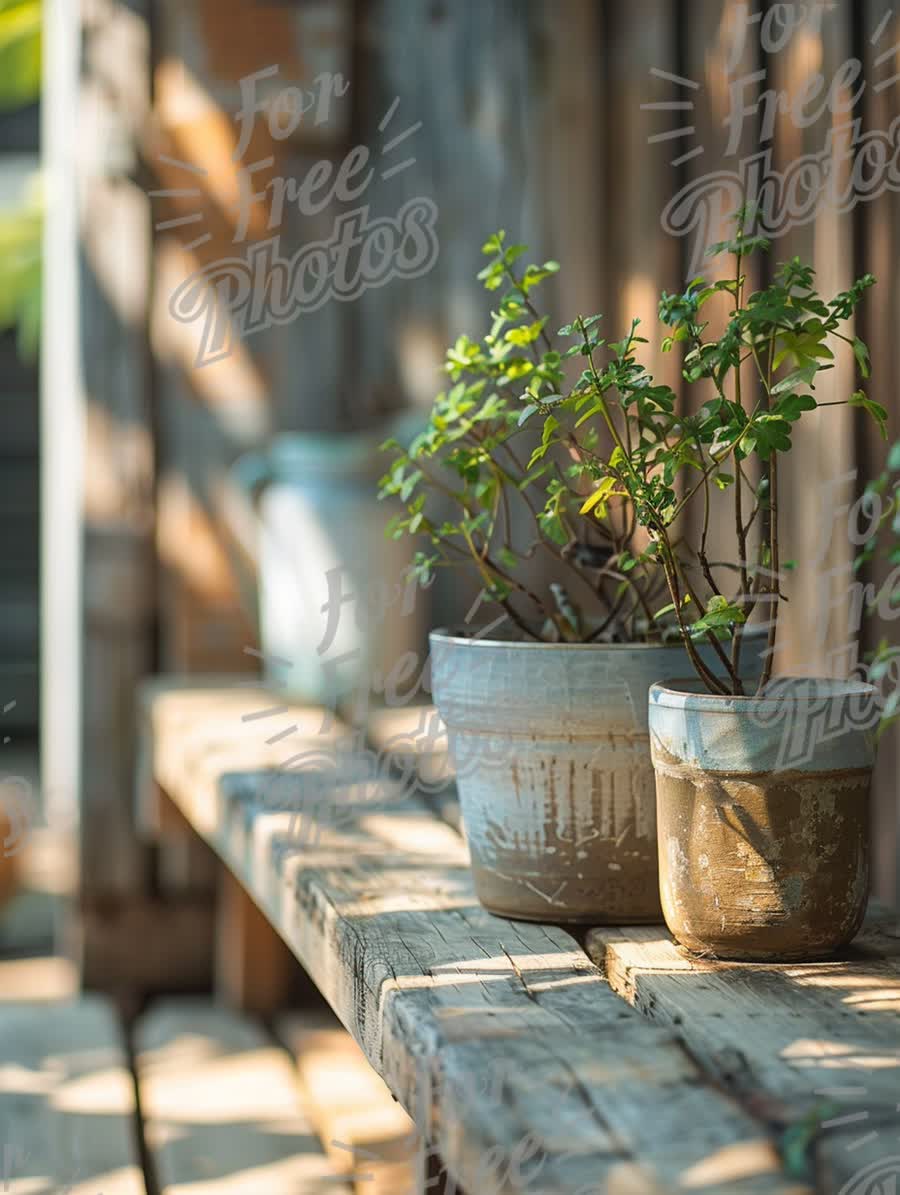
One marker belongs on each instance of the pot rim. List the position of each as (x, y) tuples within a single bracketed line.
[(451, 635), (685, 693)]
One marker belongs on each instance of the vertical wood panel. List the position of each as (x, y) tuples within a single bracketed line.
[(719, 53), (823, 440), (475, 76), (879, 226), (643, 261), (279, 378)]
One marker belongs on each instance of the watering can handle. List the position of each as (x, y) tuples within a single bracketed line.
[(246, 477)]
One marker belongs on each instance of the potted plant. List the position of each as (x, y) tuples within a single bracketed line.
[(546, 705), (762, 792)]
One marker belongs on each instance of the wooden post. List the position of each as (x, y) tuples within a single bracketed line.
[(255, 972), (61, 424), (115, 509)]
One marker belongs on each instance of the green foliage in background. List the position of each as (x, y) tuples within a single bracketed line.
[(21, 227), (21, 232), (20, 52)]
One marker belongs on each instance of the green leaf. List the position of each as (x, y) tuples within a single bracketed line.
[(494, 243), (526, 334), (599, 498), (803, 376), (766, 435), (861, 353), (720, 614), (499, 590), (792, 406), (875, 409), (670, 609)]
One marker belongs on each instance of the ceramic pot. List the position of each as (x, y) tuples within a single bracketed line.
[(763, 816), (552, 754)]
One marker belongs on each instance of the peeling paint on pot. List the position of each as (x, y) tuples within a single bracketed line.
[(761, 861), (552, 753)]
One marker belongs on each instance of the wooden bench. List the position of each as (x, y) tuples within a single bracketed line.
[(194, 1097), (528, 1062)]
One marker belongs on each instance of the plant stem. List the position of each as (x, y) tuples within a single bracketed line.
[(776, 568), (770, 535), (711, 681), (738, 636)]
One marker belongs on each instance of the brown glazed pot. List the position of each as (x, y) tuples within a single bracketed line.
[(763, 816)]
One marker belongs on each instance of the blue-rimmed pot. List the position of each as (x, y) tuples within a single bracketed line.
[(763, 815), (551, 748)]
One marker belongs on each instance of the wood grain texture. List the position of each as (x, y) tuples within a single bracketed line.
[(67, 1106), (222, 1109), (365, 1132), (516, 1060), (819, 1040), (415, 739)]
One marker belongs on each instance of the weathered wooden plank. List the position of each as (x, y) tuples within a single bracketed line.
[(517, 1061), (194, 730), (365, 1132), (222, 1109), (414, 739), (67, 1100), (793, 1042)]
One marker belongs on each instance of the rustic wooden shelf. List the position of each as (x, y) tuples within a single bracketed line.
[(514, 1053)]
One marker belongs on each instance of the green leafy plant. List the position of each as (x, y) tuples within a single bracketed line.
[(478, 474), (757, 380), (617, 459)]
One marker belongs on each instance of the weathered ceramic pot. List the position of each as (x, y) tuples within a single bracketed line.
[(551, 749), (763, 816)]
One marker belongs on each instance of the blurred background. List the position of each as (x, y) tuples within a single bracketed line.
[(170, 486)]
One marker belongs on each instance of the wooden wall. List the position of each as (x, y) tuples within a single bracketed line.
[(531, 119)]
